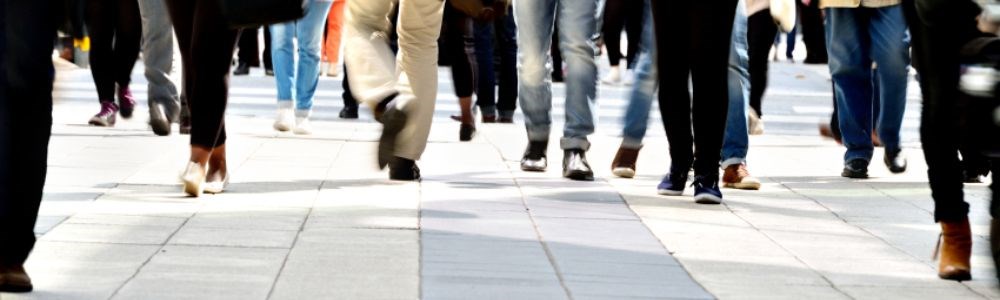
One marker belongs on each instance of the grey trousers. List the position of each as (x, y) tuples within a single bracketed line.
[(158, 57)]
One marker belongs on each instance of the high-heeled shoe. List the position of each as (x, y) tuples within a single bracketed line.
[(193, 179), (466, 132), (216, 187), (955, 249)]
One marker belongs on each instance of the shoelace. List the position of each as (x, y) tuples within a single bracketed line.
[(107, 109)]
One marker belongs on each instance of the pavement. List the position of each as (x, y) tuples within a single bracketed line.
[(311, 217)]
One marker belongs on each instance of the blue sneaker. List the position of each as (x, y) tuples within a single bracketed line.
[(672, 185), (706, 190)]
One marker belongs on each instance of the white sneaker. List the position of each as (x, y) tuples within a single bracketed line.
[(629, 77), (755, 123), (614, 76), (302, 126), (332, 70), (285, 120), (323, 66)]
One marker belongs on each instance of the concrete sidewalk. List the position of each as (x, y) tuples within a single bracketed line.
[(312, 218)]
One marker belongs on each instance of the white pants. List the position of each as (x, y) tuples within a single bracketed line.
[(375, 73)]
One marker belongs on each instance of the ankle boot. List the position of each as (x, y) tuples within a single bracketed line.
[(955, 246)]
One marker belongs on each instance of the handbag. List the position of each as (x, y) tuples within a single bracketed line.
[(254, 13)]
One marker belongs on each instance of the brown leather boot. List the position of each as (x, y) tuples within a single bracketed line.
[(955, 246), (14, 279), (624, 163)]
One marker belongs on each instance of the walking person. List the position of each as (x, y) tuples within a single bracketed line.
[(858, 34), (492, 36), (618, 15), (249, 52), (459, 46), (577, 24), (207, 44), (813, 35), (761, 35), (158, 57), (693, 42), (640, 102), (736, 141), (331, 39), (298, 79), (402, 100), (27, 32), (115, 30)]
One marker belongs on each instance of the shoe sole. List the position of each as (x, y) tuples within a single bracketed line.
[(623, 172), (282, 127), (160, 127), (742, 186), (963, 276), (393, 122), (854, 175), (301, 132), (15, 288), (192, 188), (580, 176), (707, 199), (669, 192)]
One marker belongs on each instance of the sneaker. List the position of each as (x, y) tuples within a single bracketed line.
[(332, 70), (738, 177), (895, 161), (126, 103), (614, 76), (706, 190), (575, 165), (534, 159), (349, 112), (855, 168), (629, 78), (624, 163), (756, 125), (268, 72), (403, 169), (302, 126), (285, 120), (106, 117), (672, 185)]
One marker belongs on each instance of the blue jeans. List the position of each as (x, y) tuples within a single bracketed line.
[(309, 33), (736, 141), (640, 99), (577, 23), (505, 32), (852, 49)]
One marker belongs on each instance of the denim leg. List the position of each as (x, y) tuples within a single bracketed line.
[(643, 90), (577, 25), (486, 92), (890, 49), (535, 20), (309, 33), (850, 67), (737, 142), (282, 57)]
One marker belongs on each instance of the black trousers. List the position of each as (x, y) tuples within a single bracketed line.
[(939, 28), (761, 31), (249, 52), (206, 43), (620, 14), (27, 32), (460, 48), (693, 40), (813, 34), (115, 30)]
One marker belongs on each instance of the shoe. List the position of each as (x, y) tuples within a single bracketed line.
[(285, 120), (106, 117), (302, 126), (756, 125), (14, 279), (534, 159), (575, 165), (895, 161), (268, 72), (193, 179), (624, 163), (466, 132), (332, 70), (614, 76), (706, 190), (216, 187), (126, 103), (489, 118), (159, 120), (349, 112), (185, 125), (323, 66), (242, 69), (557, 76), (877, 142), (393, 121), (381, 107), (505, 120), (403, 169), (738, 177), (672, 185), (629, 78), (954, 250), (972, 177), (826, 131), (855, 168)]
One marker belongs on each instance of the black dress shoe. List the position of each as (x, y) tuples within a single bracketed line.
[(158, 120), (856, 168), (268, 72), (349, 112), (534, 159), (575, 165), (403, 169), (895, 161), (242, 69), (13, 279), (466, 132)]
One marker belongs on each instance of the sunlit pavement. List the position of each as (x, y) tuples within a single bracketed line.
[(311, 217)]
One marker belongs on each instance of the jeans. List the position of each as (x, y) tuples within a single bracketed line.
[(640, 99), (505, 32), (158, 56), (855, 38), (578, 24), (27, 29), (308, 31), (737, 141), (375, 74)]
